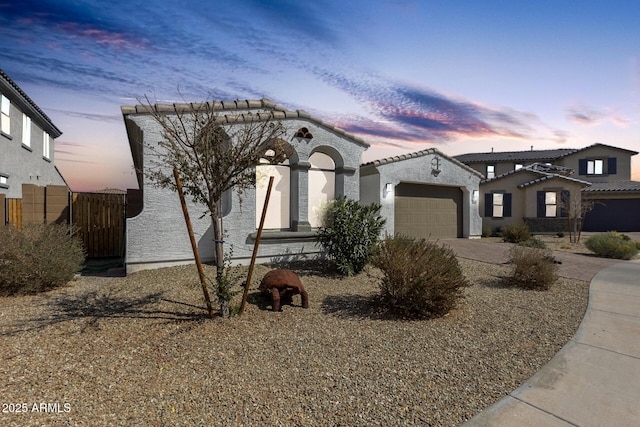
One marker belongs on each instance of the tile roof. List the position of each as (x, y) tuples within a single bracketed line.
[(532, 155), (417, 154), (271, 111), (544, 172), (43, 118), (614, 186), (514, 156), (549, 176)]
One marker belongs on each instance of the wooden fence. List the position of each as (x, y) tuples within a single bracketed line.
[(99, 217)]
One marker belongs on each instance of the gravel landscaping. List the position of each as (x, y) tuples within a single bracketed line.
[(138, 350)]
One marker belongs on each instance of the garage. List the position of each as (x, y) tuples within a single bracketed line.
[(613, 214), (428, 211)]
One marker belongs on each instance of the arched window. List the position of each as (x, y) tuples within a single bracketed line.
[(322, 185), (278, 212)]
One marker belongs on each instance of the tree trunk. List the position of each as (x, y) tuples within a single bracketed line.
[(219, 256)]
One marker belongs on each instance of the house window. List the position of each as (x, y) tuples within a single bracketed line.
[(595, 167), (4, 181), (278, 211), (46, 141), (491, 171), (26, 130), (5, 120), (550, 204), (498, 205), (322, 182)]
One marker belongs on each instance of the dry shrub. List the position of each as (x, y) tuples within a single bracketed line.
[(421, 278), (534, 268), (515, 233), (37, 258)]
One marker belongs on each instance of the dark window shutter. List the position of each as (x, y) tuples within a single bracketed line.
[(612, 166), (582, 167), (541, 205), (506, 201), (488, 204), (565, 201)]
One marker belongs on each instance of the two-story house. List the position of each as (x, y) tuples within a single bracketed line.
[(541, 186), (27, 143)]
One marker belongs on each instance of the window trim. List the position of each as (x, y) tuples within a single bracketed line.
[(493, 172), (26, 130), (4, 184), (592, 164), (498, 202), (555, 204), (5, 116), (46, 146)]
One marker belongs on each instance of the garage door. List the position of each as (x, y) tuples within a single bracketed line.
[(428, 211), (613, 214)]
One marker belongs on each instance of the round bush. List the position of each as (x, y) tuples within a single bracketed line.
[(421, 278), (350, 231), (612, 245)]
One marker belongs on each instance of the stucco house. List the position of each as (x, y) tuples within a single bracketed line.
[(531, 185), (27, 137), (325, 163), (425, 194)]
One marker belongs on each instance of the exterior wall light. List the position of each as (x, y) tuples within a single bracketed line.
[(388, 189)]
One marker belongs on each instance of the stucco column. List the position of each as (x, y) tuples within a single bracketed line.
[(300, 196), (342, 172)]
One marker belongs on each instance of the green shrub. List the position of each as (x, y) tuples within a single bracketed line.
[(533, 242), (350, 231), (534, 268), (421, 278), (612, 245), (486, 230), (516, 232), (38, 258)]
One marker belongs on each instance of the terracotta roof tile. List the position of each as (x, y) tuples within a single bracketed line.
[(416, 154), (236, 113)]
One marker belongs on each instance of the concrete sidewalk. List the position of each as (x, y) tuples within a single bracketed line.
[(594, 380)]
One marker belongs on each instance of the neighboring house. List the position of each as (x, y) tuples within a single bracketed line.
[(324, 164), (528, 181), (425, 194), (27, 142)]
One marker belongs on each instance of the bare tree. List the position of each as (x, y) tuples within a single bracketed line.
[(576, 209), (213, 153)]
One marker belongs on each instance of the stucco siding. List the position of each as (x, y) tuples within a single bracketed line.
[(157, 236), (420, 170), (26, 165), (623, 163)]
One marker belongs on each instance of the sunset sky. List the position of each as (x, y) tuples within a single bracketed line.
[(460, 76)]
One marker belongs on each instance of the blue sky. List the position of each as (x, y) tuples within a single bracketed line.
[(461, 76)]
